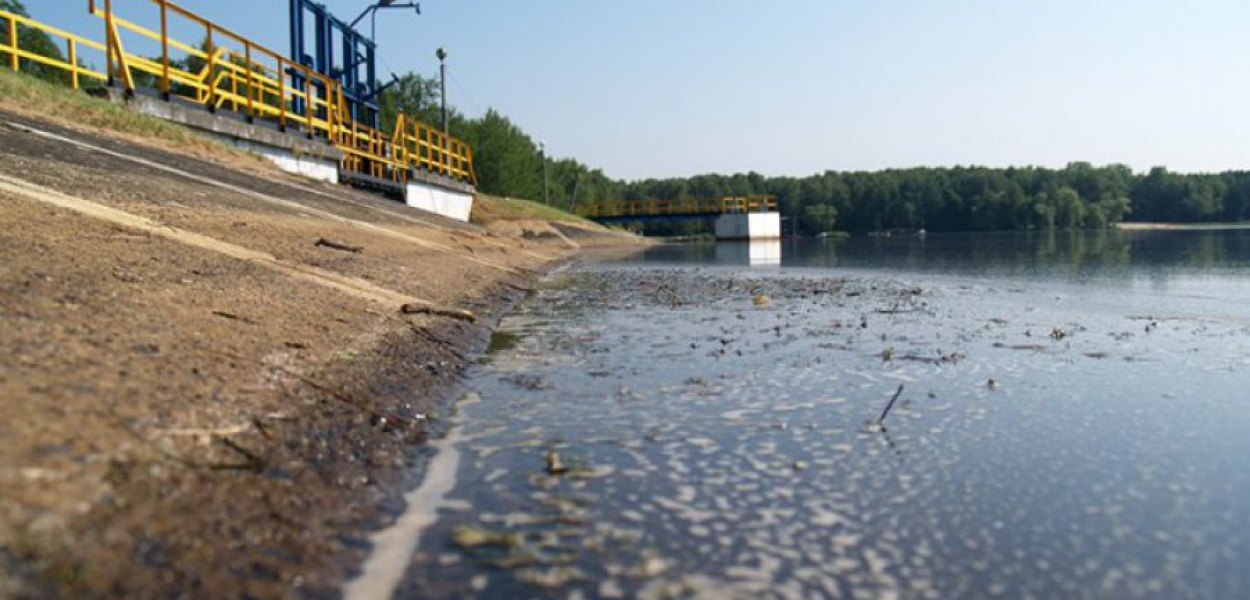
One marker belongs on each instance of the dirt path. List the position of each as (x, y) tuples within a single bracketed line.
[(195, 397)]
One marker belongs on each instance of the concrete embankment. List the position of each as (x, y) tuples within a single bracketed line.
[(208, 384)]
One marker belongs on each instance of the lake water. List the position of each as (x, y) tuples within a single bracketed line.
[(1072, 421)]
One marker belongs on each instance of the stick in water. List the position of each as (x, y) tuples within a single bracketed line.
[(884, 413)]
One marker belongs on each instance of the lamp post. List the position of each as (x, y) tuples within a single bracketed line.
[(373, 8), (542, 153), (442, 84)]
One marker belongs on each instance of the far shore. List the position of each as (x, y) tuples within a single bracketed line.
[(1180, 226)]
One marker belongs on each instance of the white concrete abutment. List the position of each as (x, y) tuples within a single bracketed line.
[(451, 202), (748, 226)]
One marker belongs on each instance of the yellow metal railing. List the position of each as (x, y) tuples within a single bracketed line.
[(229, 71), (687, 206), (432, 150), (14, 52), (369, 152), (246, 77)]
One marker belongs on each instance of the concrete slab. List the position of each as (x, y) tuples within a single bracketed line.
[(748, 226)]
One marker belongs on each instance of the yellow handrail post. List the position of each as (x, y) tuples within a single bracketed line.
[(281, 95), (247, 61), (114, 51), (209, 81), (165, 87), (334, 116), (436, 154), (73, 63), (444, 156), (109, 32), (14, 63), (310, 108), (447, 166)]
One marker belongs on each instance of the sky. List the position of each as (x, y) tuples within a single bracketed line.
[(674, 88)]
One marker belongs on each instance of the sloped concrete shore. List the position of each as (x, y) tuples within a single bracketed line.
[(209, 383)]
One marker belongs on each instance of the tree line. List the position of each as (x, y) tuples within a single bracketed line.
[(1079, 196), (35, 41), (508, 162)]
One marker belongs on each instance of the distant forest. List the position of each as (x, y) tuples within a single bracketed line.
[(1078, 196), (508, 162)]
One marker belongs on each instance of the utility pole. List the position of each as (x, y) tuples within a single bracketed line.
[(442, 77), (577, 183), (542, 152)]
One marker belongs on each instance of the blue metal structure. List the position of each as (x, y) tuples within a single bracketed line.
[(353, 64)]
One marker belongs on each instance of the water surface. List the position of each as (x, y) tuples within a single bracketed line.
[(1072, 424)]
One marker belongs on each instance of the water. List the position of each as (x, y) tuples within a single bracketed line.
[(1072, 424)]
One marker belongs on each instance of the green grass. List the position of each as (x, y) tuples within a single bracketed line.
[(25, 94), (488, 209)]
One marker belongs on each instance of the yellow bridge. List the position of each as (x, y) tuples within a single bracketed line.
[(228, 71), (633, 210)]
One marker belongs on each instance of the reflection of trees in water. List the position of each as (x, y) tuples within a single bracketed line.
[(1197, 249), (1055, 255), (1076, 255), (1167, 253)]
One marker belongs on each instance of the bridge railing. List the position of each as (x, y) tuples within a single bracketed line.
[(16, 54), (715, 205)]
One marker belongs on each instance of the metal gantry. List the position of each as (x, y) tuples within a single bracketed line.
[(353, 65)]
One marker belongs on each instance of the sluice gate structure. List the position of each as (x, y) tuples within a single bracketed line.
[(230, 87)]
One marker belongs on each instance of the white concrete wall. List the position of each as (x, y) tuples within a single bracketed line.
[(449, 203), (316, 168), (748, 226)]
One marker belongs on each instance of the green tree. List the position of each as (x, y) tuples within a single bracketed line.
[(413, 95), (35, 41), (1069, 210), (820, 218), (505, 158)]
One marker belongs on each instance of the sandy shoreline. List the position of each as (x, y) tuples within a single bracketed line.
[(200, 399)]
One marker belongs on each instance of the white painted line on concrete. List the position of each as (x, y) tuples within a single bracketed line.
[(343, 283), (262, 197)]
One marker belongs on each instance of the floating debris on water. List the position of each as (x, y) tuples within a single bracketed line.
[(555, 465), (622, 449)]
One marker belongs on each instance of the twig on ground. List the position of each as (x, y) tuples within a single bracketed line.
[(253, 461), (233, 317), (413, 308), (339, 246)]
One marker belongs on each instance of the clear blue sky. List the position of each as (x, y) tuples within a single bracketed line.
[(656, 88)]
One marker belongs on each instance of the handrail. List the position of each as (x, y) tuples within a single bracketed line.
[(249, 78), (261, 73), (261, 83), (16, 53)]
